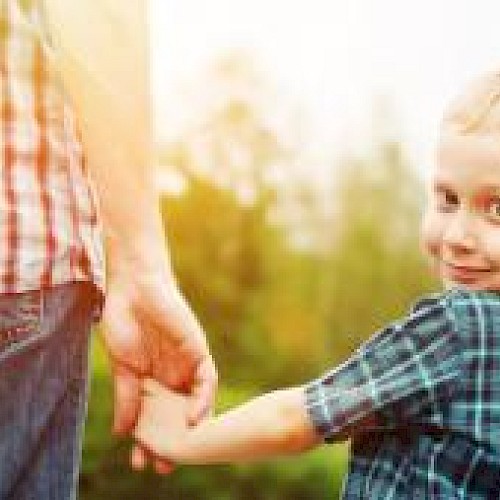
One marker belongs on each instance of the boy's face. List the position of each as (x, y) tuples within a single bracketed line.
[(461, 227)]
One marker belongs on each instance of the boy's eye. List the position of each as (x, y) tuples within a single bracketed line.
[(446, 200), (492, 208)]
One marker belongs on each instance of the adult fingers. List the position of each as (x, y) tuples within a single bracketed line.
[(127, 387), (203, 391), (163, 466), (140, 457)]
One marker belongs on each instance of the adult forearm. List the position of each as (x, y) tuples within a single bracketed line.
[(271, 425), (101, 51), (132, 224)]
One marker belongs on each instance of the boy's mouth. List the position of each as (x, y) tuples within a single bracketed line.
[(462, 273)]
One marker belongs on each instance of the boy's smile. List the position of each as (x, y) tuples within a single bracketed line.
[(461, 227)]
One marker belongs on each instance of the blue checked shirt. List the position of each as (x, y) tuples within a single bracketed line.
[(420, 402)]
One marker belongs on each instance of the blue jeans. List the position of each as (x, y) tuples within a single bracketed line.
[(44, 345)]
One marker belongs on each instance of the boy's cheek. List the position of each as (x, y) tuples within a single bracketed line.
[(430, 235), (431, 243), (492, 247)]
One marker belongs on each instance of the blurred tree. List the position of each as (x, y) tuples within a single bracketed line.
[(376, 270), (217, 253), (231, 259), (278, 305), (235, 140), (259, 297)]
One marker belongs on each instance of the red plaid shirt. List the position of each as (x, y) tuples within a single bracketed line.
[(49, 228)]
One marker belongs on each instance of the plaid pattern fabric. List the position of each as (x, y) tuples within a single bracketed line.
[(420, 401), (49, 229)]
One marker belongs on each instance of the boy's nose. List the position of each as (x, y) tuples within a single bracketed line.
[(459, 231)]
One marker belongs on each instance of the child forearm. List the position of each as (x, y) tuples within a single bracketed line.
[(274, 424)]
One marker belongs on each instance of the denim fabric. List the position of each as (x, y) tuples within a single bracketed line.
[(44, 345)]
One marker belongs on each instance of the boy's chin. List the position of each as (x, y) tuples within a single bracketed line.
[(450, 285)]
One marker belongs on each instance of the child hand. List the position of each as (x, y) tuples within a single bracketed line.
[(163, 421)]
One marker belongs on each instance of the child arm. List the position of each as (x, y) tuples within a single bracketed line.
[(403, 374), (276, 423)]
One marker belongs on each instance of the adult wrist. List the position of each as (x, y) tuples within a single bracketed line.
[(136, 239), (146, 254)]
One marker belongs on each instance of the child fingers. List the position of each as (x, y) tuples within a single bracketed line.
[(138, 459), (150, 386)]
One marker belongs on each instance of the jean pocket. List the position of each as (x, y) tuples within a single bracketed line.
[(19, 322)]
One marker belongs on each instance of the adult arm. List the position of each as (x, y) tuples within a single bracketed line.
[(101, 52)]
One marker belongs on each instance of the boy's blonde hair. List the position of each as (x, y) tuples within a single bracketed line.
[(478, 108)]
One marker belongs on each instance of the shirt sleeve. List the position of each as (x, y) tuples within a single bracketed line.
[(404, 367)]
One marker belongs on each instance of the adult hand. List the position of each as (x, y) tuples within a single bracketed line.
[(150, 331)]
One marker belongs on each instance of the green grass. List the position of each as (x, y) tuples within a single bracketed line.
[(107, 476)]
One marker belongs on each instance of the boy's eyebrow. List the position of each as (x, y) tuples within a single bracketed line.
[(440, 185), (490, 187)]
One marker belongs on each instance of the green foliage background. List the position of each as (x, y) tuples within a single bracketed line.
[(275, 313)]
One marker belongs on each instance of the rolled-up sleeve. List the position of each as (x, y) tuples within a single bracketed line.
[(411, 364)]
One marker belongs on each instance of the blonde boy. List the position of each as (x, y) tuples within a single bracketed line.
[(420, 400)]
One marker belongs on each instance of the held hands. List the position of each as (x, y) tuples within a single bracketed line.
[(150, 331), (270, 425), (163, 426)]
